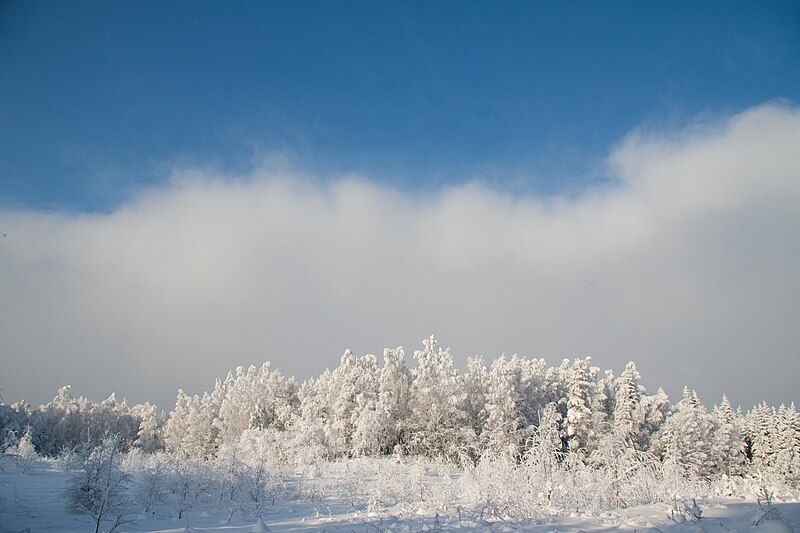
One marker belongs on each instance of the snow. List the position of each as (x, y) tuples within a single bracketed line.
[(32, 499)]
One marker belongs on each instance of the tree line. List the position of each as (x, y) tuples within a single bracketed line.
[(367, 408)]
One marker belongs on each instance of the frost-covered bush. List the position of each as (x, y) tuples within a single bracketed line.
[(14, 422), (189, 483), (400, 484), (24, 448), (536, 486), (500, 487), (71, 458), (256, 487), (148, 474), (100, 487), (624, 475), (676, 483)]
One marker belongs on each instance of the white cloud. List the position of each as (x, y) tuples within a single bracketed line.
[(688, 263)]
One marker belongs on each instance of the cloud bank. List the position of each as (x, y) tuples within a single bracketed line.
[(687, 262)]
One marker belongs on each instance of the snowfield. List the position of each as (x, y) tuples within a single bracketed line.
[(32, 499)]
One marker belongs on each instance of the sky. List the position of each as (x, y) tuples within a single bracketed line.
[(186, 187)]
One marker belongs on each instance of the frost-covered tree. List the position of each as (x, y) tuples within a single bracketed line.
[(176, 427), (605, 394), (544, 453), (557, 379), (656, 409), (760, 426), (369, 426), (313, 429), (580, 391), (628, 415), (787, 440), (688, 437), (728, 445), (394, 392), (149, 438), (505, 429), (623, 473), (475, 385), (355, 387), (381, 405), (258, 393), (438, 423), (346, 404), (199, 440)]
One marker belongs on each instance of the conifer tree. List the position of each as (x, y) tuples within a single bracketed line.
[(787, 441), (728, 442), (579, 397), (627, 409), (688, 437), (148, 438), (760, 423)]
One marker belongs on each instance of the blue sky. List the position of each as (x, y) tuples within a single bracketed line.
[(98, 99), (614, 179)]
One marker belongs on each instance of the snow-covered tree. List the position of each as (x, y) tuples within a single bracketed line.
[(544, 453), (580, 391), (199, 439), (628, 415), (656, 409), (505, 429), (438, 423), (688, 437), (394, 392), (728, 443), (475, 385), (760, 426), (623, 473), (255, 391), (149, 438), (787, 440), (177, 425)]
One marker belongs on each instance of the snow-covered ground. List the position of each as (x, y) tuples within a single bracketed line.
[(32, 499)]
